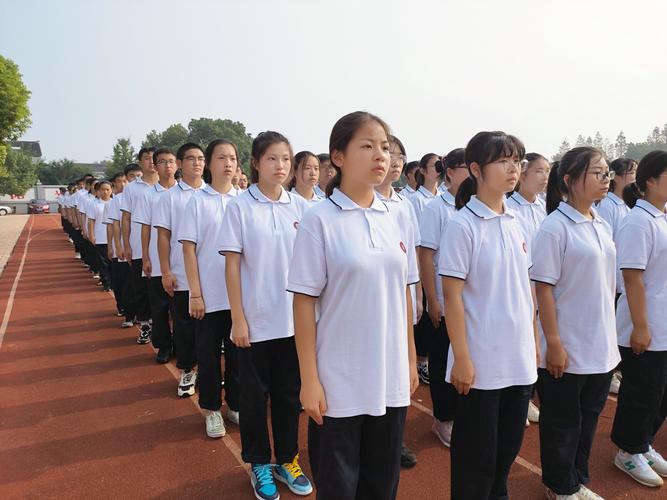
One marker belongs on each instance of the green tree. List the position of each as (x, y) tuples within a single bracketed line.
[(123, 154), (21, 173), (173, 137), (621, 145), (564, 148), (60, 171), (580, 141), (14, 111)]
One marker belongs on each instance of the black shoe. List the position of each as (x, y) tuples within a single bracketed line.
[(163, 355), (408, 458)]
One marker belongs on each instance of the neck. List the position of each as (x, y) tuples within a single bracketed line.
[(618, 190), (453, 189), (167, 181), (271, 191), (528, 195), (581, 206), (222, 186), (305, 191), (491, 199), (432, 186), (655, 200), (362, 194), (194, 181), (384, 189), (150, 177)]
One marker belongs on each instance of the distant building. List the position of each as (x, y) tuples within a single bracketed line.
[(31, 147), (97, 169)]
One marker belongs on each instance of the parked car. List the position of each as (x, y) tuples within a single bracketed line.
[(5, 210), (38, 207)]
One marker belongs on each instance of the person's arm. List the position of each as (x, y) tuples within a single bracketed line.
[(640, 339), (125, 226), (240, 333), (556, 356), (305, 334), (146, 266), (536, 333), (164, 252), (110, 241), (427, 271), (463, 370), (197, 307), (91, 231), (412, 350), (117, 239)]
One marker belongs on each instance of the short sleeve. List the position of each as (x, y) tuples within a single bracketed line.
[(161, 213), (455, 262), (546, 257), (231, 232), (142, 212), (190, 231), (430, 229), (633, 246), (126, 201), (308, 269)]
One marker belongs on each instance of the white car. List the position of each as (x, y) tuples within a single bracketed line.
[(5, 210)]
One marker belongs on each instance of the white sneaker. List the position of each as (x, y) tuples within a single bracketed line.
[(637, 467), (127, 324), (215, 426), (186, 386), (533, 412), (443, 431), (77, 256), (655, 460), (550, 495), (615, 383), (422, 371), (233, 416), (586, 494)]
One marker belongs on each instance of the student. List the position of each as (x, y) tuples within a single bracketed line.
[(306, 175), (236, 178), (573, 261), (161, 336), (489, 316), (97, 231), (411, 182), (168, 216), (132, 240), (432, 226), (326, 174), (641, 323), (257, 237), (357, 360), (205, 270), (243, 182), (118, 276)]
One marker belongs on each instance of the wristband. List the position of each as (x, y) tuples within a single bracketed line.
[(199, 297)]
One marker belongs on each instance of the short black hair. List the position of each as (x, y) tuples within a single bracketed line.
[(132, 167), (162, 151), (143, 151), (180, 154)]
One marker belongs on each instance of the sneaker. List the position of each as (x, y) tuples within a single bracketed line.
[(127, 324), (233, 416), (422, 371), (408, 457), (527, 423), (77, 256), (551, 495), (120, 313), (186, 386), (292, 475), (533, 412), (262, 482), (615, 383), (637, 467), (144, 334), (163, 355), (586, 494), (96, 276), (443, 431), (215, 426), (656, 461)]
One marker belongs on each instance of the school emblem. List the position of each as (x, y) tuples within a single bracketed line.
[(403, 247)]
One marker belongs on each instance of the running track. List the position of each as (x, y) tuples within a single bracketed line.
[(86, 413)]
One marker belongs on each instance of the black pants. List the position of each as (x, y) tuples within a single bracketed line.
[(160, 303), (77, 238), (121, 282), (423, 333), (269, 369), (104, 265), (486, 438), (569, 411), (642, 400), (443, 394), (357, 457), (184, 331), (212, 331), (140, 292)]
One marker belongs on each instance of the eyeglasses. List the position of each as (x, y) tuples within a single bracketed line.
[(398, 158), (604, 176), (166, 162), (457, 167), (508, 163), (195, 159)]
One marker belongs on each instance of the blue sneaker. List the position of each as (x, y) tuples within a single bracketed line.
[(262, 482), (292, 475)]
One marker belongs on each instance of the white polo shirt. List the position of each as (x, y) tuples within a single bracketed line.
[(432, 229), (169, 213), (131, 196), (641, 243), (613, 209), (407, 190), (263, 232), (96, 214), (577, 256), (114, 214), (313, 201), (145, 215), (420, 199), (488, 251), (319, 192), (106, 219), (529, 215), (204, 214), (358, 262)]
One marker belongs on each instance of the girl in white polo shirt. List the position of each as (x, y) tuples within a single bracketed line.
[(641, 323), (612, 208), (353, 261), (434, 219), (306, 175), (490, 319), (205, 270), (97, 231), (573, 270), (257, 239)]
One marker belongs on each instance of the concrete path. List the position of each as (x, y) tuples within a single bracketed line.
[(10, 230)]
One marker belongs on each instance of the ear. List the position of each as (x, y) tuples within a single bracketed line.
[(337, 157), (566, 180), (475, 170)]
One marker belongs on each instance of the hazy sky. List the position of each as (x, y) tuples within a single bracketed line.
[(437, 71)]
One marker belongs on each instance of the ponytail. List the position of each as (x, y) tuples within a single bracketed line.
[(292, 183), (419, 179), (335, 182), (554, 194), (632, 193), (467, 188)]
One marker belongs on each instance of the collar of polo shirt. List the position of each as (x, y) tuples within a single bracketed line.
[(516, 196), (650, 208), (422, 190), (257, 195), (448, 198), (574, 215), (484, 212), (208, 189), (615, 198), (393, 196), (187, 187), (341, 200)]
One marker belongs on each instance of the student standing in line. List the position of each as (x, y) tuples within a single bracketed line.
[(434, 220), (573, 269), (97, 231), (357, 360), (164, 160), (326, 175), (306, 175), (641, 323), (411, 182), (257, 239), (205, 270), (489, 315), (168, 216), (243, 182), (131, 232), (118, 278)]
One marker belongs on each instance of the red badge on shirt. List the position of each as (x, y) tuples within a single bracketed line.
[(403, 248), (296, 224)]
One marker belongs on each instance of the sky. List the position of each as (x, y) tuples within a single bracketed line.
[(436, 71)]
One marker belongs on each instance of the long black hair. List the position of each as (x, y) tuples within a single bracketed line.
[(575, 164), (652, 166)]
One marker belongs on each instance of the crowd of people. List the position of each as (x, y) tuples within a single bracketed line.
[(518, 289)]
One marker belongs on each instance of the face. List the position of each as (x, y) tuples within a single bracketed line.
[(628, 177), (430, 173), (119, 184), (130, 176), (243, 181), (104, 192), (534, 179), (366, 158), (327, 172), (657, 186), (592, 186), (396, 163), (224, 162), (166, 165), (500, 176), (146, 163), (457, 175), (192, 164), (275, 164), (410, 176), (236, 177), (309, 172)]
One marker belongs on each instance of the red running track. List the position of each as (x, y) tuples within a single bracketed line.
[(86, 413)]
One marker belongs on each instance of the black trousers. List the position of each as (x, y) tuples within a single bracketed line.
[(642, 400), (269, 370), (443, 394), (486, 438), (211, 332), (140, 292), (160, 303), (423, 333), (104, 264), (357, 458), (77, 238), (184, 331), (569, 411), (121, 282)]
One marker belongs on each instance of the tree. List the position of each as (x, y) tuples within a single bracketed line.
[(21, 173), (60, 171), (655, 137), (123, 155), (564, 148), (580, 141), (173, 138), (14, 111), (621, 145)]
